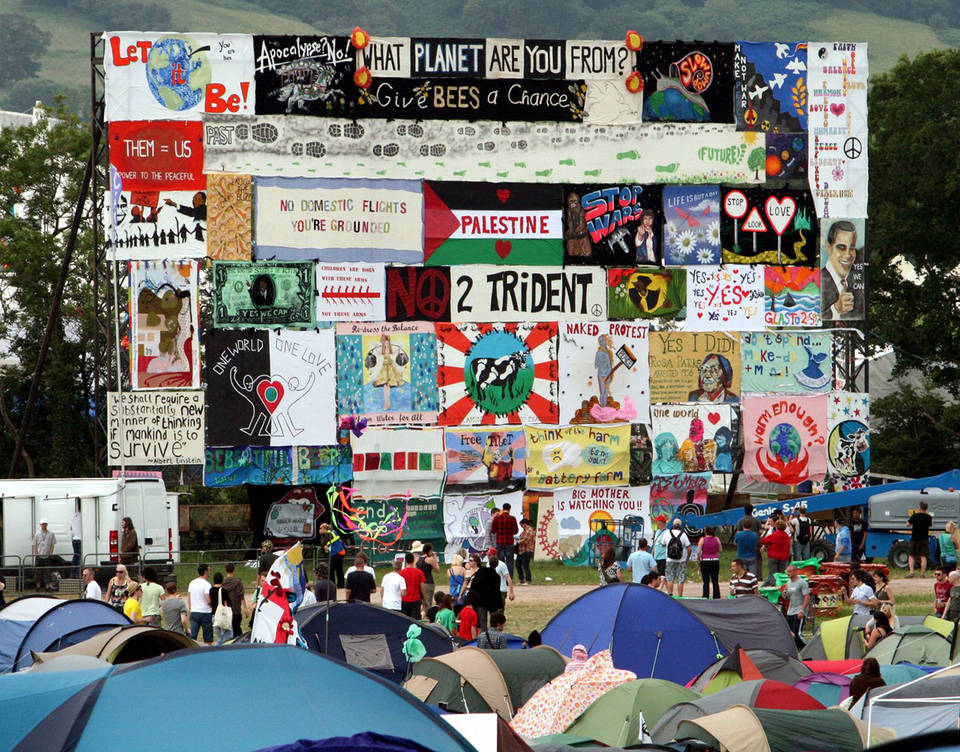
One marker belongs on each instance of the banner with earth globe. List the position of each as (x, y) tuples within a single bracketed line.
[(785, 438)]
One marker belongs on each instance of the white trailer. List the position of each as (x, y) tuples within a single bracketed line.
[(102, 502)]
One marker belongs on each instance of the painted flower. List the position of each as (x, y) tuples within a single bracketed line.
[(705, 256), (713, 233), (359, 38), (634, 40), (838, 173), (634, 83), (362, 77), (671, 228), (685, 243)]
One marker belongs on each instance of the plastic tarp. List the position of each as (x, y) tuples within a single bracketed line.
[(281, 692), (647, 632), (367, 636)]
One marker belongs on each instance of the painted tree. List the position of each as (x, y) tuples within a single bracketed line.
[(41, 169)]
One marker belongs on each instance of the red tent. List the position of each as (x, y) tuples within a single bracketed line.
[(846, 666)]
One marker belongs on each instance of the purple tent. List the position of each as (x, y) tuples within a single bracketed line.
[(826, 686)]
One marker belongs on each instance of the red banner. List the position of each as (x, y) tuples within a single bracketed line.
[(158, 155)]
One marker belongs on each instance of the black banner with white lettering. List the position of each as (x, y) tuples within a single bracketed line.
[(304, 75), (474, 99)]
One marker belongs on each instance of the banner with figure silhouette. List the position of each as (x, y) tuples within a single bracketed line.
[(387, 373), (785, 438), (693, 439), (787, 362), (270, 388), (165, 351), (156, 224)]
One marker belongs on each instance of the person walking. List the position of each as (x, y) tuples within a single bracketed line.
[(802, 533), (709, 547), (429, 564), (678, 544), (858, 535), (174, 610), (860, 596), (414, 592), (233, 590), (129, 543), (150, 593), (660, 543), (742, 581), (920, 524), (43, 545), (747, 541), (504, 529), (525, 546), (798, 603), (777, 544), (360, 583), (201, 612), (844, 544), (217, 598), (486, 589), (393, 587), (131, 606)]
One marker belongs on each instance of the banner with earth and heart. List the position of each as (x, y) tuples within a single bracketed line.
[(785, 438)]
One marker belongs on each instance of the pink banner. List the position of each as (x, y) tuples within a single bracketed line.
[(785, 438)]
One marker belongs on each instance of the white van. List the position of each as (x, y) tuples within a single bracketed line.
[(102, 502)]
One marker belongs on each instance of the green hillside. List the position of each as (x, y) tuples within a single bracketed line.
[(64, 65)]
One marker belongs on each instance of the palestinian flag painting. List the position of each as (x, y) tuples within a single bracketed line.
[(492, 223), (495, 374)]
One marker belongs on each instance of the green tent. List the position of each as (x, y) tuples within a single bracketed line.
[(471, 680), (835, 640), (614, 718), (743, 729), (915, 644)]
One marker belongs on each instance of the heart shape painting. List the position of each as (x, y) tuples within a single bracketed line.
[(503, 248), (714, 418), (780, 213), (503, 194), (270, 393), (837, 108)]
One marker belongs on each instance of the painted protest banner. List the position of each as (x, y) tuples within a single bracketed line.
[(156, 225), (265, 466), (693, 439), (604, 372), (727, 298), (491, 223), (422, 515), (785, 438), (263, 294), (386, 57), (536, 152), (230, 217), (694, 367), (682, 494), (466, 518), (571, 456), (339, 220), (761, 226), (307, 75), (293, 518), (155, 155), (848, 440), (641, 454), (646, 293), (447, 58), (176, 76), (270, 388), (837, 164), (527, 293), (787, 362), (473, 99), (387, 373), (164, 328), (612, 224), (843, 276), (489, 456), (155, 428), (687, 81), (691, 225), (417, 293), (770, 86), (350, 292), (587, 511), (388, 461), (497, 374), (792, 296)]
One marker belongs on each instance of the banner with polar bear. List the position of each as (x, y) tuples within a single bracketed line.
[(693, 439), (785, 438), (848, 440), (569, 456)]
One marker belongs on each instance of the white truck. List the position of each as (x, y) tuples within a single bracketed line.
[(102, 503)]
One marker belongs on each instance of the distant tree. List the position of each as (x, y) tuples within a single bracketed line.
[(914, 193), (24, 94), (22, 45), (914, 434)]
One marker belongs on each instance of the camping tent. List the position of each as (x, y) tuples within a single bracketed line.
[(134, 642), (487, 732), (16, 618), (748, 622), (915, 644), (281, 692), (754, 694), (835, 640), (743, 729), (743, 665), (63, 624), (937, 705), (646, 631), (618, 715), (470, 680), (832, 688), (552, 709), (367, 636)]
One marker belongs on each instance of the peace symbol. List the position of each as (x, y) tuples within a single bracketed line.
[(433, 293), (852, 147), (597, 309)]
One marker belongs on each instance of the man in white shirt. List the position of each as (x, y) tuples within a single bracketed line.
[(678, 544), (43, 545), (92, 590), (201, 613), (76, 536), (393, 587)]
